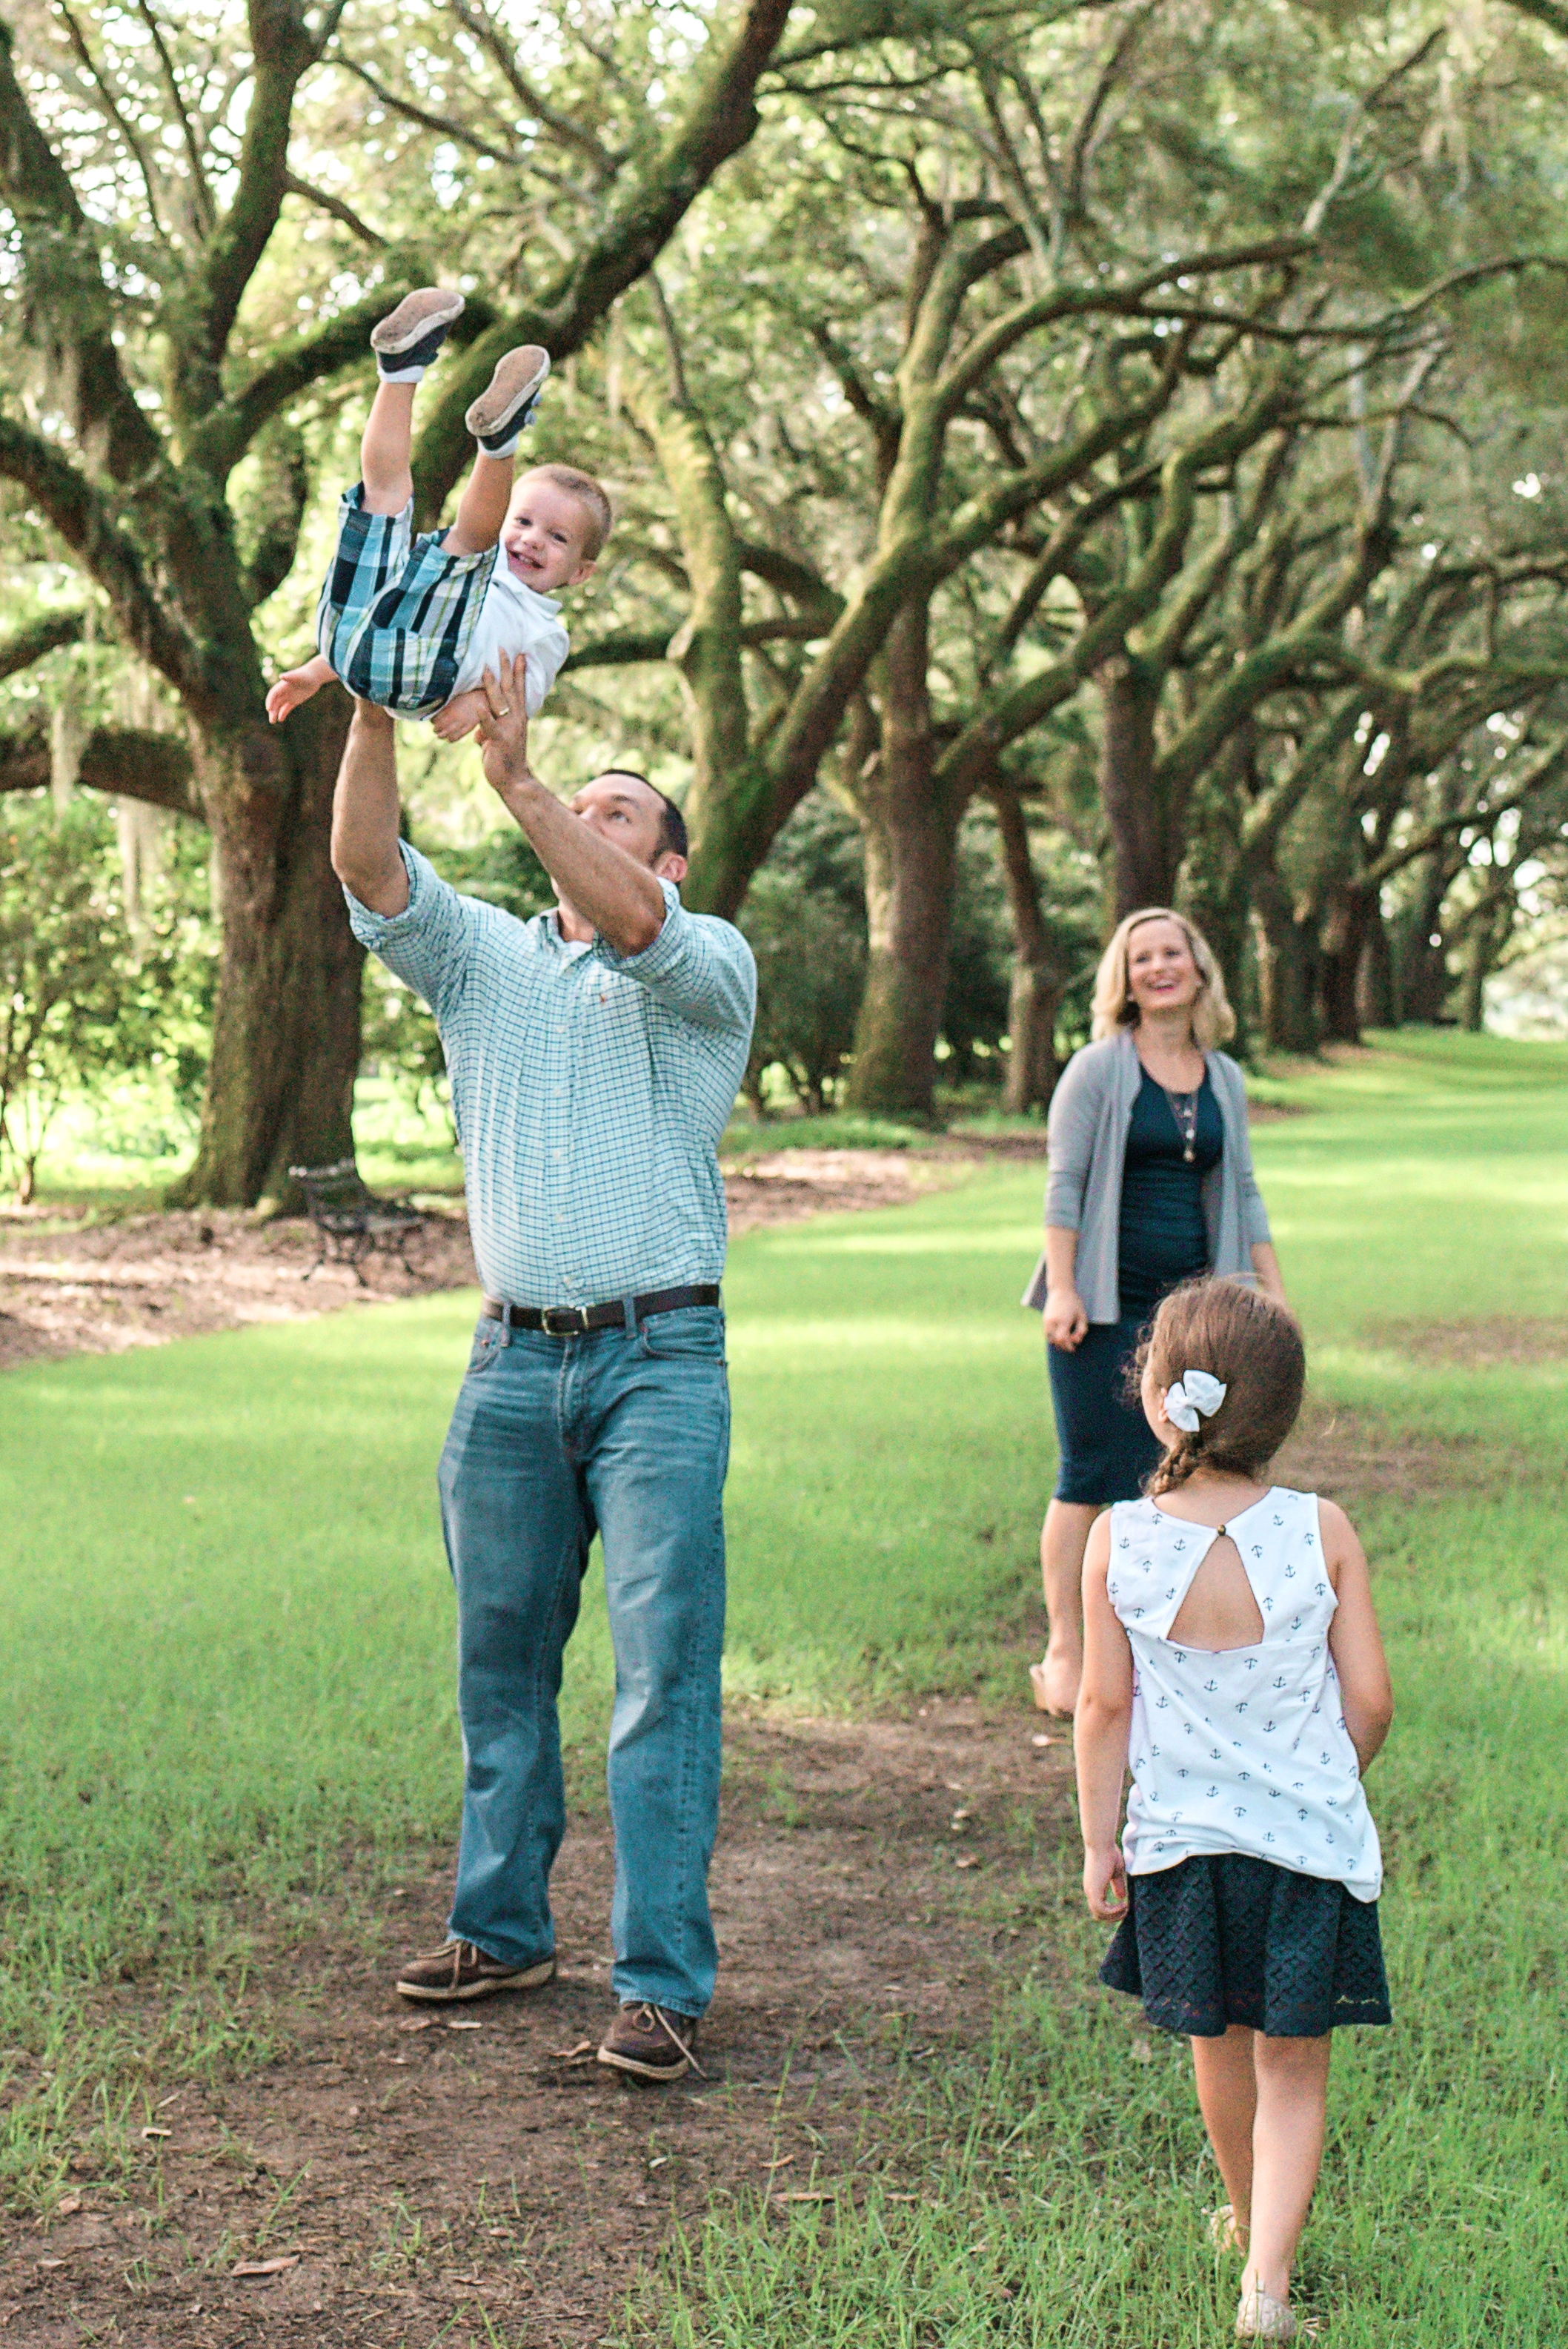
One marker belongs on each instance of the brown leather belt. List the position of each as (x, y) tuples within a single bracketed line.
[(576, 1321)]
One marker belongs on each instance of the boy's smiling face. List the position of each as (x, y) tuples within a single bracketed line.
[(544, 535)]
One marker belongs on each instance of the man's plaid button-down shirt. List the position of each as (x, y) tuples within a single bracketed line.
[(590, 1089)]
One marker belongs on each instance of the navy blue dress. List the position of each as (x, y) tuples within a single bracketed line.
[(1107, 1446)]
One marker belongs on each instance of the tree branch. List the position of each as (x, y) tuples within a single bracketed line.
[(1002, 718), (1345, 156), (89, 526), (202, 209), (283, 51), (982, 354), (789, 575), (29, 643), (641, 216), (441, 124), (106, 91), (1432, 834), (134, 765), (502, 51), (223, 438), (326, 202)]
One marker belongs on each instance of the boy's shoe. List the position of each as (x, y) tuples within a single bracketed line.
[(459, 1970), (650, 2043), (502, 409), (413, 333)]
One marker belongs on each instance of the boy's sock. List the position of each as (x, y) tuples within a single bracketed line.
[(499, 416), (407, 340)]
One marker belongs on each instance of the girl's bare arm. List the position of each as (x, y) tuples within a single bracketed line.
[(1100, 1729), (1354, 1640)]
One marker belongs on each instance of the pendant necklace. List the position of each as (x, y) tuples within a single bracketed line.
[(1184, 1110)]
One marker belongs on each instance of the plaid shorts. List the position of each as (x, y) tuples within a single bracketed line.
[(397, 614)]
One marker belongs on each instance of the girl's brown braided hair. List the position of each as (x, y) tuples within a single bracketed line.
[(1253, 1347)]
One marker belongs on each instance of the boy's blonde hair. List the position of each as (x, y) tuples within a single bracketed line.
[(1213, 1021), (590, 494), (1253, 1347)]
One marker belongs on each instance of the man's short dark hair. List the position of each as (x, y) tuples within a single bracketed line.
[(673, 836)]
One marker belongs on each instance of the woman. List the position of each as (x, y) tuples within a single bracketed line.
[(1151, 1181)]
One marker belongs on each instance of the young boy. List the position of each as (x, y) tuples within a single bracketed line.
[(413, 624)]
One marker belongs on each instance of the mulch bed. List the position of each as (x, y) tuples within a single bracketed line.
[(69, 1285)]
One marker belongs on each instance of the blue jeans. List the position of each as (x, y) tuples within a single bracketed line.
[(625, 1433)]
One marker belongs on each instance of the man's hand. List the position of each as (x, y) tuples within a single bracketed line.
[(503, 725), (459, 715)]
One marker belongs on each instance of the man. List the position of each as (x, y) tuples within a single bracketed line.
[(594, 1056)]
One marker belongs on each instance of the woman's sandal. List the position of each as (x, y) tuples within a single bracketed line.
[(1224, 2232)]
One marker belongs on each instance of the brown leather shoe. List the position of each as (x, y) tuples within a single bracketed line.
[(651, 2044), (458, 1970)]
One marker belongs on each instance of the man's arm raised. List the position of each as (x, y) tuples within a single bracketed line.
[(620, 897), (365, 815)]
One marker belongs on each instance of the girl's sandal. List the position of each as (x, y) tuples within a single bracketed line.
[(1261, 2317), (1225, 2232)]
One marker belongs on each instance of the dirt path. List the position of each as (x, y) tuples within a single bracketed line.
[(871, 1903), (69, 1285)]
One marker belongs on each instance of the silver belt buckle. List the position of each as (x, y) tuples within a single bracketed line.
[(565, 1321)]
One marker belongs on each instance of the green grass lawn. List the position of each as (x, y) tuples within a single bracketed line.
[(227, 1670)]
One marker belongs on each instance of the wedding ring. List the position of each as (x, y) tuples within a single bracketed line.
[(504, 711)]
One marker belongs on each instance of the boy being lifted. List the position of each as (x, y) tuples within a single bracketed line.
[(413, 624)]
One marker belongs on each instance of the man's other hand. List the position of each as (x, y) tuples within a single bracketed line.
[(503, 727)]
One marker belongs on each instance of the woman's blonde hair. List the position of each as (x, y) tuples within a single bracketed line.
[(1213, 1021), (1253, 1347)]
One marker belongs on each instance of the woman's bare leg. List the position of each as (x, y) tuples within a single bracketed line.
[(1287, 2150), (1227, 2096), (1064, 1537)]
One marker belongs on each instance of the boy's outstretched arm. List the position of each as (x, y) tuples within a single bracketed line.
[(1354, 1642), (297, 685), (1100, 1729)]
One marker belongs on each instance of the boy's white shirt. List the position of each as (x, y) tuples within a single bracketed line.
[(516, 619)]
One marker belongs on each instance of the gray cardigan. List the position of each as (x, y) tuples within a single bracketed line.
[(1091, 1110)]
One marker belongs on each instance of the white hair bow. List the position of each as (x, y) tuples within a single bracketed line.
[(1193, 1392)]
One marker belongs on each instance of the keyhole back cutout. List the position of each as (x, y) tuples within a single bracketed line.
[(1219, 1611)]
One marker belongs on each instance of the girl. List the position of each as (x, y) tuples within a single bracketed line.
[(1232, 1653)]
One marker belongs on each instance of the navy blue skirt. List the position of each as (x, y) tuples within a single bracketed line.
[(1225, 1938), (1105, 1446)]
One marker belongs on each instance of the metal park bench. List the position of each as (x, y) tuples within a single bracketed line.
[(351, 1222)]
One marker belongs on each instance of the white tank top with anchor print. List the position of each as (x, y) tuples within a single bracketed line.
[(1246, 1750)]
